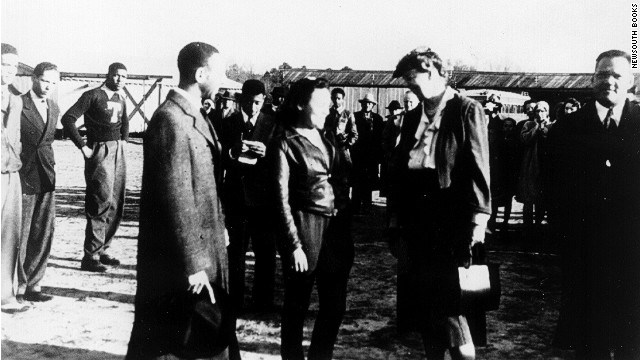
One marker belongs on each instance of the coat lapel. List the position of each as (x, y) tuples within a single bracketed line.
[(199, 123), (52, 116), (31, 113)]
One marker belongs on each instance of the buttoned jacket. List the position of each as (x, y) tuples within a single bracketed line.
[(37, 134)]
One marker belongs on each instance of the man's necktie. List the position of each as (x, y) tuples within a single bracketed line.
[(248, 128), (609, 122)]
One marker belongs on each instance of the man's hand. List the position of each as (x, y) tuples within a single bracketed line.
[(86, 152), (237, 149), (300, 260), (256, 147), (198, 281)]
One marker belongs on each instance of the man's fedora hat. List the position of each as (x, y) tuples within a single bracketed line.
[(227, 95), (197, 328), (368, 98), (394, 105)]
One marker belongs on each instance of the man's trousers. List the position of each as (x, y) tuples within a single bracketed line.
[(38, 222), (11, 226), (105, 174)]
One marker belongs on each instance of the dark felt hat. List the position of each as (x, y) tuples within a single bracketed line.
[(279, 91), (196, 327), (394, 105), (227, 96)]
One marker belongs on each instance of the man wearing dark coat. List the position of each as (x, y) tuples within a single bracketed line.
[(37, 128), (245, 136), (366, 153), (597, 173), (182, 239)]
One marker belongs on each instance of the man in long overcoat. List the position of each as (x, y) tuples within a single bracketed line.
[(181, 245), (597, 173)]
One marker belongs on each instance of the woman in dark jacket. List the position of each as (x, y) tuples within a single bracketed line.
[(444, 199), (303, 161)]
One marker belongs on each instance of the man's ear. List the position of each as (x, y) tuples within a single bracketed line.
[(199, 75)]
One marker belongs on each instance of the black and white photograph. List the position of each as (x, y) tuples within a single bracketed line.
[(320, 179)]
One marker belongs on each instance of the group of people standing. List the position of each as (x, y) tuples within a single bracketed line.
[(288, 180), (28, 131)]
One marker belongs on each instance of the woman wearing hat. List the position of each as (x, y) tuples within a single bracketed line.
[(444, 199)]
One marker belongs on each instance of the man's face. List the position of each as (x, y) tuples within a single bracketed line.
[(569, 108), (9, 68), (115, 80), (366, 106), (278, 100), (251, 106), (45, 84), (541, 113), (338, 100), (410, 101), (529, 109), (611, 81), (508, 126), (427, 84), (208, 77), (226, 103), (395, 112)]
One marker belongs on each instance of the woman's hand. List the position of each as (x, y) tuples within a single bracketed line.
[(300, 260)]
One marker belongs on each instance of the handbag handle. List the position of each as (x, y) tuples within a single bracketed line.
[(478, 254)]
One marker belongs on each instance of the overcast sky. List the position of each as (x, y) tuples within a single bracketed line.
[(146, 35)]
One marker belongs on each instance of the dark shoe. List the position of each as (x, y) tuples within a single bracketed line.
[(20, 298), (89, 264), (37, 297), (108, 260)]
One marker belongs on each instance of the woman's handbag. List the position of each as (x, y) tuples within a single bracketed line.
[(480, 283)]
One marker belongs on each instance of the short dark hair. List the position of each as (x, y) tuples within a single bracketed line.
[(610, 54), (192, 57), (9, 49), (509, 120), (527, 102), (300, 95), (417, 59), (113, 68), (253, 87), (42, 67), (338, 91)]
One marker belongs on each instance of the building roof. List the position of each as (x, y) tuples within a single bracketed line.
[(459, 79), (26, 70)]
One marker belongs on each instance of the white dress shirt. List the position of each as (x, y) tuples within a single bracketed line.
[(41, 105), (615, 116)]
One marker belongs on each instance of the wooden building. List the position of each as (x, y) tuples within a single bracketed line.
[(550, 87)]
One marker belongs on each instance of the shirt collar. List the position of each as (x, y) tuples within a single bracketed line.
[(448, 95), (246, 118), (195, 101), (110, 92), (617, 112), (36, 99)]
